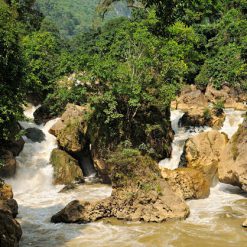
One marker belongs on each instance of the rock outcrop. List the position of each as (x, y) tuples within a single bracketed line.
[(233, 160), (5, 191), (10, 230), (187, 182), (8, 164), (198, 116), (202, 152), (66, 168), (139, 194), (71, 129)]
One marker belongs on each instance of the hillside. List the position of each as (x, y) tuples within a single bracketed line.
[(72, 17)]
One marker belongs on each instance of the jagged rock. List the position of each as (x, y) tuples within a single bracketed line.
[(66, 168), (8, 167), (233, 160), (202, 117), (139, 194), (71, 129), (10, 229), (187, 182), (5, 191), (189, 98), (230, 97), (202, 152)]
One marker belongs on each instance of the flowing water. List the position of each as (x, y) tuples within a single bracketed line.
[(215, 221)]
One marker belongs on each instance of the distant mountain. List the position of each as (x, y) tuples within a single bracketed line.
[(74, 16)]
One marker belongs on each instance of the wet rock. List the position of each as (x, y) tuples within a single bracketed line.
[(66, 168), (68, 188), (5, 191), (8, 164), (233, 160), (139, 194), (35, 135), (10, 230), (202, 152), (42, 115), (71, 129), (244, 224), (187, 182), (197, 116)]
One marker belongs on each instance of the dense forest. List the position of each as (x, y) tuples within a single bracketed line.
[(72, 17), (124, 67)]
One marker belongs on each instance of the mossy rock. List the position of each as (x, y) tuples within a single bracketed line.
[(66, 168)]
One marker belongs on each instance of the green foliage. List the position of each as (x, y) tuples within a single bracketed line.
[(74, 17), (41, 52), (219, 107), (11, 83), (57, 100), (207, 114)]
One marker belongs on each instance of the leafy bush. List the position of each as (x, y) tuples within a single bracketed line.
[(218, 107), (207, 114)]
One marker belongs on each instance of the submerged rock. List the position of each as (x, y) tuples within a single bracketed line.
[(139, 194), (66, 168), (187, 182), (202, 152), (233, 160), (35, 134)]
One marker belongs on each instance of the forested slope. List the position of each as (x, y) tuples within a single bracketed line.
[(72, 17)]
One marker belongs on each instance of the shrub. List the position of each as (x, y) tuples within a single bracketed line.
[(218, 107)]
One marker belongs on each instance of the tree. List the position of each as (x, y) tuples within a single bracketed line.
[(11, 64)]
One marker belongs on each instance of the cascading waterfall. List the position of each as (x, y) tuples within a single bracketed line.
[(181, 135), (39, 199), (221, 195)]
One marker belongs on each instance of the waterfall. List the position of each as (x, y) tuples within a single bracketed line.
[(181, 135), (39, 199), (203, 211)]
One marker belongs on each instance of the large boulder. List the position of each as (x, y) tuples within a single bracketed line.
[(202, 152), (10, 229), (139, 194), (66, 168), (187, 182), (198, 116), (71, 128), (189, 98), (7, 164), (233, 160), (230, 96)]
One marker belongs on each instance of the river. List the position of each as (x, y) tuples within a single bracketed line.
[(215, 221)]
